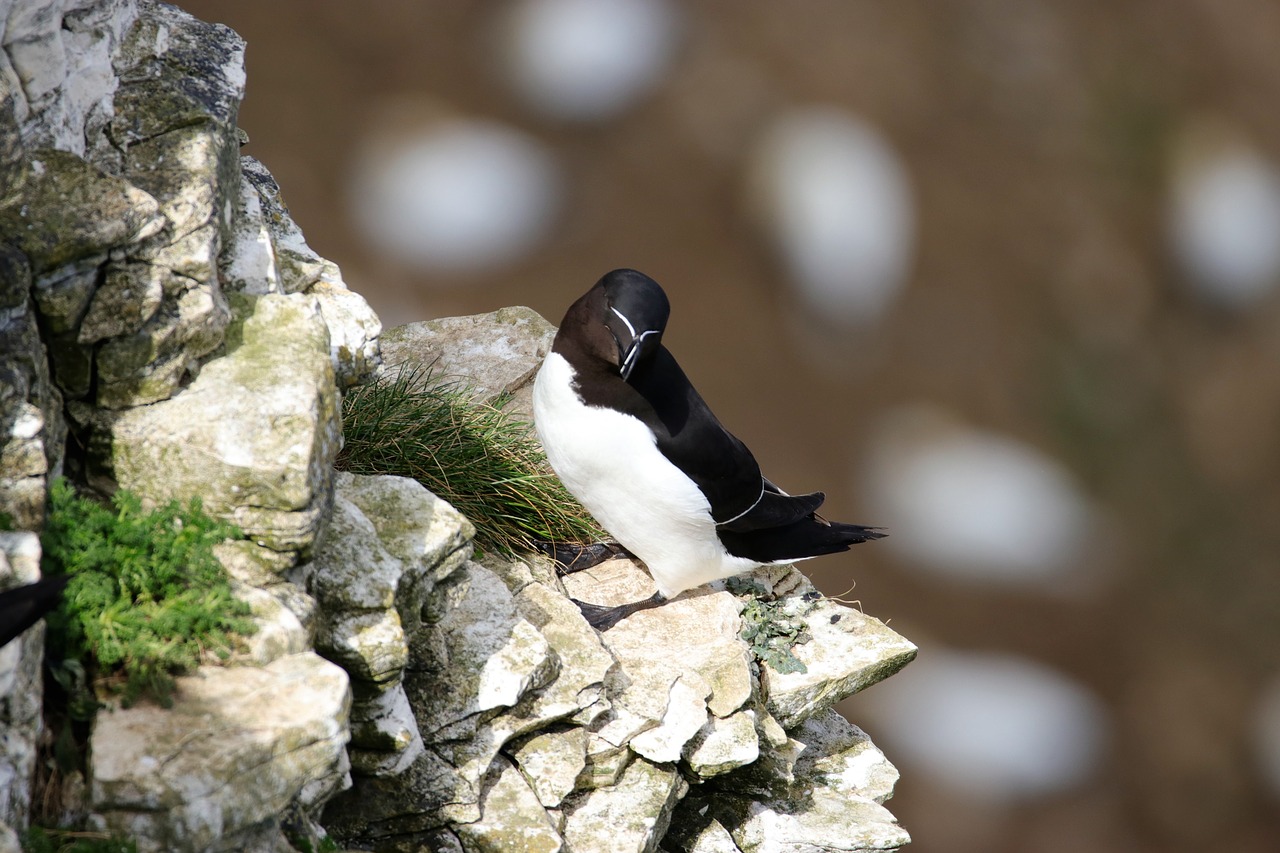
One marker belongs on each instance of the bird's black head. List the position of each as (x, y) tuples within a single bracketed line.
[(637, 312), (618, 322)]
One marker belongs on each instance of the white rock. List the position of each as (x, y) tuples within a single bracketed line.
[(455, 195), (248, 261), (495, 656), (685, 716), (1224, 216), (217, 761), (974, 504), (723, 745), (828, 821), (992, 725), (837, 202), (587, 60), (632, 816), (838, 755), (552, 762), (511, 816)]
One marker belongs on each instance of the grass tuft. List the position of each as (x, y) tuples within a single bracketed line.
[(146, 597), (474, 455), (41, 840)]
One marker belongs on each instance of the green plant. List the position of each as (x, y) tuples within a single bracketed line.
[(37, 839), (767, 628), (147, 595), (474, 455)]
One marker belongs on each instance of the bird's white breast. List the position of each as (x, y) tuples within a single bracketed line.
[(611, 463)]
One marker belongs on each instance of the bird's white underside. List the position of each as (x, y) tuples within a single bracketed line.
[(611, 463)]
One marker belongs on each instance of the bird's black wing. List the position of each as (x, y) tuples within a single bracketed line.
[(689, 434), (22, 607)]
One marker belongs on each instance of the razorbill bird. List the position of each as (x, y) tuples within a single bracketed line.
[(22, 607), (636, 444)]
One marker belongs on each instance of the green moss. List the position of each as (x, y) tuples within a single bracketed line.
[(771, 632), (146, 597), (475, 456)]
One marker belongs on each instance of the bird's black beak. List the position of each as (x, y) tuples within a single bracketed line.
[(635, 344)]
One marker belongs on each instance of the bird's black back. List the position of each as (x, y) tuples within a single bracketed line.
[(22, 607)]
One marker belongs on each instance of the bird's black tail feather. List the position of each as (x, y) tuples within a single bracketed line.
[(809, 537)]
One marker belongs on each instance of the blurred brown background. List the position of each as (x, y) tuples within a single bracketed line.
[(1045, 147)]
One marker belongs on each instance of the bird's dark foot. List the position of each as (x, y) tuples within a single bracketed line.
[(603, 618), (575, 558)]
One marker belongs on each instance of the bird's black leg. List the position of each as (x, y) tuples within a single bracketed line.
[(603, 618), (572, 558)]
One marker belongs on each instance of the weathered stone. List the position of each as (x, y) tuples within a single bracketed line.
[(384, 733), (723, 745), (152, 363), (63, 295), (694, 833), (693, 638), (248, 260), (823, 821), (8, 839), (169, 45), (254, 436), (280, 631), (238, 745), (21, 687), (496, 353), (353, 331), (552, 762), (838, 756), (849, 652), (298, 266), (129, 296), (70, 209), (584, 662), (253, 564), (684, 717), (401, 812), (511, 818), (350, 569), (368, 644), (495, 656), (604, 765), (425, 534), (633, 815)]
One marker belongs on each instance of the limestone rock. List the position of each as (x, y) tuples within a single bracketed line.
[(669, 655), (494, 655), (384, 734), (254, 436), (270, 255), (511, 817), (238, 745), (552, 762), (723, 745), (71, 210), (632, 815), (849, 652), (839, 756), (824, 821), (584, 663), (21, 686), (497, 353), (428, 537)]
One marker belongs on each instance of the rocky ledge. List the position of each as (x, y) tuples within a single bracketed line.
[(164, 327)]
